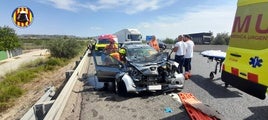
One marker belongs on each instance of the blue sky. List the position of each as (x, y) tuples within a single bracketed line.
[(85, 18)]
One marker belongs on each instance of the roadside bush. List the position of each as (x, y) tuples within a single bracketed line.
[(169, 41), (34, 64), (26, 76), (55, 62), (7, 93), (221, 39), (22, 76), (10, 92), (8, 38), (65, 48)]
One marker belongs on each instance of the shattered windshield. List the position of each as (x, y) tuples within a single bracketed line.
[(143, 54)]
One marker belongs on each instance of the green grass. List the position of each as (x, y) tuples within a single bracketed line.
[(11, 86)]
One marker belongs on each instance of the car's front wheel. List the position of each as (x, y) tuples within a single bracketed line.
[(115, 87), (121, 88)]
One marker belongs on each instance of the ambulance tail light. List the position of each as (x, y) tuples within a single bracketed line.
[(235, 71), (253, 77)]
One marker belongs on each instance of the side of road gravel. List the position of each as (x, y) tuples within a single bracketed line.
[(11, 64)]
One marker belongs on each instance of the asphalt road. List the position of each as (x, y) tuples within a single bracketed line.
[(105, 105), (232, 103)]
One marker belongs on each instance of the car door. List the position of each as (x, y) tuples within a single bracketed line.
[(106, 66)]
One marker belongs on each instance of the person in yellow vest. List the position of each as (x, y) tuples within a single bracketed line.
[(116, 55), (120, 55)]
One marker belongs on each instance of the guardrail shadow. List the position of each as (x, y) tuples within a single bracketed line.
[(217, 90), (259, 113), (92, 87)]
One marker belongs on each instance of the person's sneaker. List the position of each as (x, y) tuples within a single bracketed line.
[(186, 75), (189, 74)]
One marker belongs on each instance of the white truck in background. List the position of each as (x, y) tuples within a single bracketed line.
[(126, 35)]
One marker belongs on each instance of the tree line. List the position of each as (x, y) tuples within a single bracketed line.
[(220, 39), (69, 46), (66, 47)]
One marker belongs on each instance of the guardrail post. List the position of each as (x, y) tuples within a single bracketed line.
[(76, 64), (36, 112), (68, 74), (41, 109)]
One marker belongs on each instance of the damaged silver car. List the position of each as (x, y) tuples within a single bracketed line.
[(143, 69)]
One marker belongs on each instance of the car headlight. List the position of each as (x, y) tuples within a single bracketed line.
[(152, 68)]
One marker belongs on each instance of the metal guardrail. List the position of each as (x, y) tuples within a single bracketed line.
[(48, 109), (57, 108), (30, 115)]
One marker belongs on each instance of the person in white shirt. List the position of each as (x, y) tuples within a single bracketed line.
[(189, 53), (180, 51)]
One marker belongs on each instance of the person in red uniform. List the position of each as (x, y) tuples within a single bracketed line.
[(111, 48)]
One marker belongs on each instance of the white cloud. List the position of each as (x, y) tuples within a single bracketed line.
[(70, 5), (102, 4), (112, 2), (141, 5), (136, 6), (201, 19), (126, 6), (95, 28)]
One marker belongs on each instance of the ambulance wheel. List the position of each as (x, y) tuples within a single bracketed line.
[(226, 85), (211, 75)]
